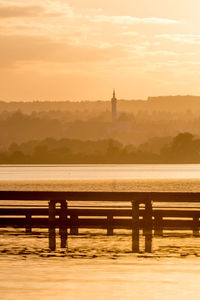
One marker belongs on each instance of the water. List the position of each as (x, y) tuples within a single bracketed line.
[(101, 177), (171, 273), (124, 279), (83, 172)]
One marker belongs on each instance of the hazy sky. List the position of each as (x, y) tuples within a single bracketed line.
[(81, 49)]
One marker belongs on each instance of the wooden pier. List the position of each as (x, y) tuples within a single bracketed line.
[(148, 212)]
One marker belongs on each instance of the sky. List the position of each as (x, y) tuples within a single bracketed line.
[(82, 49)]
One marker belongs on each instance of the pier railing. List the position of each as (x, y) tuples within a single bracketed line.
[(150, 212)]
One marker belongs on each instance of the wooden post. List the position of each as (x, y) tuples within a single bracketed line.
[(52, 225), (63, 224), (109, 225), (28, 222), (158, 225), (74, 224), (135, 227), (196, 226), (148, 226)]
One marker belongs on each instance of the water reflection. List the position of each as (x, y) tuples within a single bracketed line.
[(64, 172)]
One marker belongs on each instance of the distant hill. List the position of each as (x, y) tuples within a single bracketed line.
[(176, 103), (163, 103)]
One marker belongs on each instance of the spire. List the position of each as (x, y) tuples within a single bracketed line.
[(114, 106)]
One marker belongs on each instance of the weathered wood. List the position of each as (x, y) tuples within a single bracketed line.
[(170, 219), (28, 222), (52, 227), (186, 212), (63, 224), (126, 223), (148, 227), (118, 223), (175, 213), (135, 227), (158, 225), (182, 212), (109, 224), (196, 226), (142, 197), (74, 225), (184, 224)]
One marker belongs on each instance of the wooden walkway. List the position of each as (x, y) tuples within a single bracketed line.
[(150, 212)]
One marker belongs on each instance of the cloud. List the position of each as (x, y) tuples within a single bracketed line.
[(129, 20), (20, 11), (130, 33), (183, 38), (42, 49)]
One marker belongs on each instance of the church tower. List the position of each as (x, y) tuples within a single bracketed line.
[(114, 107)]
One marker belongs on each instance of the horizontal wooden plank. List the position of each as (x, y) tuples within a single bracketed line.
[(176, 213), (82, 223), (179, 224), (97, 222), (98, 212), (70, 196), (101, 196), (79, 212)]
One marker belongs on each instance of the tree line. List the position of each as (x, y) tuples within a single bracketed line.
[(183, 148), (131, 128)]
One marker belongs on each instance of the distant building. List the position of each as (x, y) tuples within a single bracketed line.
[(114, 107)]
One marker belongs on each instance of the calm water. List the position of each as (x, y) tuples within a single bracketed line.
[(58, 279), (36, 278), (101, 177), (69, 172)]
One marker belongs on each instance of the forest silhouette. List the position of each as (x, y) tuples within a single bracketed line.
[(184, 148), (159, 130)]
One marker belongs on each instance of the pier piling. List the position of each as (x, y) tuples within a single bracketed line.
[(135, 227), (63, 224), (158, 231), (148, 225), (109, 225), (52, 227), (168, 215), (74, 224), (28, 223), (196, 226)]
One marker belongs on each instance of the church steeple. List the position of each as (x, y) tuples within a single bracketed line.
[(114, 106)]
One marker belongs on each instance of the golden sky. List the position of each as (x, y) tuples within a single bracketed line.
[(81, 49)]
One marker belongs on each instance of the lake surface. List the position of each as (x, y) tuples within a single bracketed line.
[(173, 272), (100, 177), (127, 279), (69, 172)]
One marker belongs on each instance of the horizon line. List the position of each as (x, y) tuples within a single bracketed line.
[(84, 100)]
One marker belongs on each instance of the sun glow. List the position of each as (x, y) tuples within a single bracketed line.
[(62, 45)]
